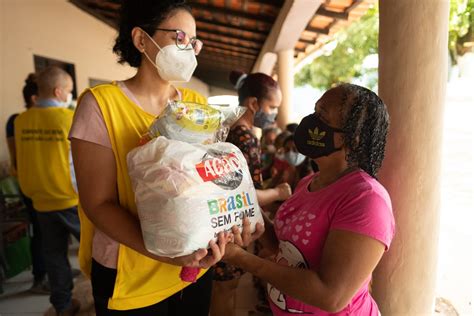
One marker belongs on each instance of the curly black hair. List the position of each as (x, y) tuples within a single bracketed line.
[(291, 127), (366, 122), (146, 14)]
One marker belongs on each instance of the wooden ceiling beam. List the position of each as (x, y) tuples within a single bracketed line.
[(214, 40), (224, 59), (228, 35), (103, 7), (318, 30), (220, 54), (300, 50), (230, 26), (332, 14), (311, 42), (231, 48), (226, 67), (221, 62), (338, 15), (273, 3), (223, 71), (354, 4), (204, 36), (231, 35), (109, 5), (107, 13), (230, 53), (239, 14), (84, 7), (217, 56)]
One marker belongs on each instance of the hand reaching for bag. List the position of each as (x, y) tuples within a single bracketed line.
[(203, 258), (242, 239)]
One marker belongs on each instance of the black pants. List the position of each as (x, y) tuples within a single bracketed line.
[(39, 267), (56, 226), (192, 300)]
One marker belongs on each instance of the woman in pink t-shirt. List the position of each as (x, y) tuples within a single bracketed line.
[(330, 235)]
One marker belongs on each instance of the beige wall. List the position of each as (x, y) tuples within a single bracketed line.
[(59, 30)]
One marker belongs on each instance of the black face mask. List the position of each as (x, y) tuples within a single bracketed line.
[(314, 138)]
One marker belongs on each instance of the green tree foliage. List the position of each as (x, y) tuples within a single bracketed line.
[(461, 25), (344, 63), (360, 39)]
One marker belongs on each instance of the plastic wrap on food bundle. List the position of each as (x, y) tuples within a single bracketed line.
[(194, 122), (187, 193)]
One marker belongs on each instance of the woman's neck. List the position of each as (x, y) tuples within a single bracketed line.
[(246, 120), (151, 91), (330, 172)]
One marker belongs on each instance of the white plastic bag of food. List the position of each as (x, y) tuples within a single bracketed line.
[(187, 193)]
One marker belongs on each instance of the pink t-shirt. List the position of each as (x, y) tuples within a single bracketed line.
[(357, 203)]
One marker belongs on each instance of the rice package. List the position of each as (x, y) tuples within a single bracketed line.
[(187, 193)]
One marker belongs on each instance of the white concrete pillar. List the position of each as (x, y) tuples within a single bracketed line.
[(413, 53), (286, 82)]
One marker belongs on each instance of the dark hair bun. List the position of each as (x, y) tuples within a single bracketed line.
[(31, 79), (30, 89)]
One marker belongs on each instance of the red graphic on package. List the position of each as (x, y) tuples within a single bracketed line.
[(223, 169)]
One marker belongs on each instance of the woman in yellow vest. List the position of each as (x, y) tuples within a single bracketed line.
[(158, 38)]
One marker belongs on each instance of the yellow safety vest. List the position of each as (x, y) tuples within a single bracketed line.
[(43, 157), (141, 281)]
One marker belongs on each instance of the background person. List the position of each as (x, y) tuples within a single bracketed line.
[(46, 176)]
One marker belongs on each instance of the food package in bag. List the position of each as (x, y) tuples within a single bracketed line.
[(187, 193), (194, 122)]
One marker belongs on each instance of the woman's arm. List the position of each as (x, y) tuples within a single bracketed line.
[(268, 238), (97, 183), (348, 259), (279, 193)]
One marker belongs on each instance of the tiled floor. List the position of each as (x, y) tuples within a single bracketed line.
[(18, 301)]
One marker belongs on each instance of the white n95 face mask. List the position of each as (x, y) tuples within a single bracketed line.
[(172, 63), (69, 99)]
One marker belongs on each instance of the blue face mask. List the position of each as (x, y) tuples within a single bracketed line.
[(264, 120), (294, 158)]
